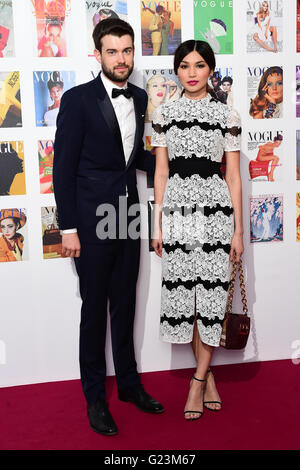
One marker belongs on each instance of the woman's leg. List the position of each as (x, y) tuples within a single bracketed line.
[(274, 164), (203, 354), (261, 43), (273, 30)]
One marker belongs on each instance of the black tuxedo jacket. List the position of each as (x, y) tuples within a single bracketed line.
[(89, 165)]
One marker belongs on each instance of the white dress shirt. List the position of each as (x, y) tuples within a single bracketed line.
[(124, 110)]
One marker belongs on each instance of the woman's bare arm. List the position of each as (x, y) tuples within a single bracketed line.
[(160, 180), (233, 180)]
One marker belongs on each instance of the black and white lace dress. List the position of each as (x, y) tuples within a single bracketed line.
[(197, 216)]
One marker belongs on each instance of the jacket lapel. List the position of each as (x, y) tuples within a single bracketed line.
[(110, 118), (139, 119), (108, 112)]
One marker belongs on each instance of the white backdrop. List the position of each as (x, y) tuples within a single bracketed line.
[(40, 303)]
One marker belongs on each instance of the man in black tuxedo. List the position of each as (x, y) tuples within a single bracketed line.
[(98, 147)]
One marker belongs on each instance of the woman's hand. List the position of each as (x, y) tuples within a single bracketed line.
[(237, 247), (267, 96), (157, 242)]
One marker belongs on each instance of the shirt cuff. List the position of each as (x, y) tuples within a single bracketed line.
[(69, 230)]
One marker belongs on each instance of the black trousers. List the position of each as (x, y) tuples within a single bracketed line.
[(107, 272)]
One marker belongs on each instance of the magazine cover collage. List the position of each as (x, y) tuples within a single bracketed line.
[(160, 27)]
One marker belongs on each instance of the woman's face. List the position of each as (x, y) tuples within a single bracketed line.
[(226, 87), (157, 90), (265, 6), (193, 73), (274, 87), (8, 228), (214, 82), (54, 33), (56, 93)]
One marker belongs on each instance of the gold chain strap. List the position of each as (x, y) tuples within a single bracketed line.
[(242, 286)]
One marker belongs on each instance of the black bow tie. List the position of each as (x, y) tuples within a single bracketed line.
[(121, 91)]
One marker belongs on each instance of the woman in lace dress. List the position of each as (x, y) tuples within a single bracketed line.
[(198, 215)]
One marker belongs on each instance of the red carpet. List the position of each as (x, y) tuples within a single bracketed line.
[(260, 412)]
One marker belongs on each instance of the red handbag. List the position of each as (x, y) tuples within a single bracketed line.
[(236, 326)]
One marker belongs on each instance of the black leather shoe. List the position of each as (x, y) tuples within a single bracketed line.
[(140, 399), (101, 420)]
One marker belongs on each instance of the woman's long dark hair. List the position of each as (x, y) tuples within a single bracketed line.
[(203, 48)]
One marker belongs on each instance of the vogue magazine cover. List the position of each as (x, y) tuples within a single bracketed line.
[(50, 233), (265, 153), (266, 219), (222, 83), (160, 27), (213, 22), (10, 100), (12, 169), (264, 26), (265, 92), (51, 23), (46, 154), (49, 87), (7, 46), (13, 235), (161, 86), (100, 10)]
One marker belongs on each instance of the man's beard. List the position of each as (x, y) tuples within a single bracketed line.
[(113, 76)]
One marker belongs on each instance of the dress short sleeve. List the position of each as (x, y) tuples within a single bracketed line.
[(233, 132), (158, 138)]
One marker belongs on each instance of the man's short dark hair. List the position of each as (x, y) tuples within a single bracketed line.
[(113, 26)]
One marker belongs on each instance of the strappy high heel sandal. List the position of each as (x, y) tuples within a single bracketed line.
[(200, 413), (211, 401)]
